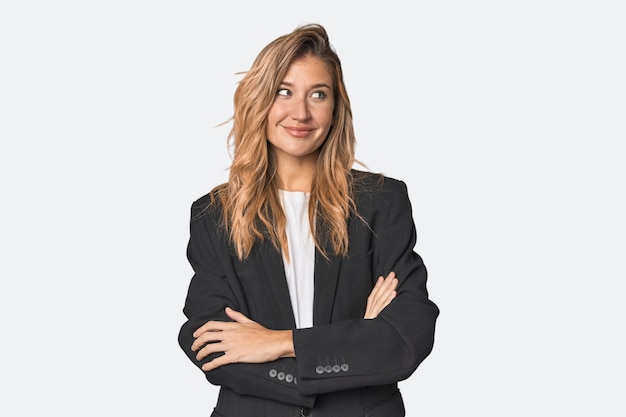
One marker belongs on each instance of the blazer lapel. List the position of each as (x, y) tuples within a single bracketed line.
[(326, 276), (269, 264)]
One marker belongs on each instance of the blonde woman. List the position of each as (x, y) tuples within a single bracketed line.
[(307, 296)]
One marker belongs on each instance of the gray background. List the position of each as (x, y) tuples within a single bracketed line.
[(505, 119)]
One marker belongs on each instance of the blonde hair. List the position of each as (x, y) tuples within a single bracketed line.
[(250, 203)]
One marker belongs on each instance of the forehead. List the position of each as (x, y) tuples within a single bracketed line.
[(309, 69)]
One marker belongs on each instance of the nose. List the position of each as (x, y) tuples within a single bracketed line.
[(300, 110)]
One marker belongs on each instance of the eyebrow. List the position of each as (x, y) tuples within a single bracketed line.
[(319, 85)]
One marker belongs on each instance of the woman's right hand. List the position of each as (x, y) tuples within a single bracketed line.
[(383, 292)]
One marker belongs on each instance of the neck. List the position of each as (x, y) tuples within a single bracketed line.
[(295, 177), (295, 184)]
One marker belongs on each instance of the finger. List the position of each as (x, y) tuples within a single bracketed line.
[(237, 316), (378, 303), (383, 282), (204, 338), (390, 284), (209, 349), (389, 294), (210, 326), (391, 277), (379, 281), (381, 295), (392, 295), (384, 288), (376, 289), (379, 289), (381, 303), (216, 363)]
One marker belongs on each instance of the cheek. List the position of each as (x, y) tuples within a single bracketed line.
[(277, 113), (273, 118), (325, 117)]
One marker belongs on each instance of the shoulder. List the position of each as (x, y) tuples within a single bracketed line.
[(382, 202), (208, 204), (369, 185)]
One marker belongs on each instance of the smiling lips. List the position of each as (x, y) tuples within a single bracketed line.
[(298, 132)]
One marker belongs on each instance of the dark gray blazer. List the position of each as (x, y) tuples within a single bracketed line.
[(345, 365)]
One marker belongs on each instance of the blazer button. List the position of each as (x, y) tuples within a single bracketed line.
[(319, 369), (328, 369), (305, 411), (336, 368), (288, 377), (273, 373), (345, 367), (281, 376)]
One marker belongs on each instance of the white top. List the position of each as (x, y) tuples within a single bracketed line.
[(300, 270)]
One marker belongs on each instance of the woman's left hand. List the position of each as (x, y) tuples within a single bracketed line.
[(243, 340), (382, 294)]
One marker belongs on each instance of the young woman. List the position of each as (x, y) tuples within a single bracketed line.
[(308, 297)]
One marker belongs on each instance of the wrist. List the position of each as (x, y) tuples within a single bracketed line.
[(287, 349)]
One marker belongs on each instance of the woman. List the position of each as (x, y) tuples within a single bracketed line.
[(307, 296)]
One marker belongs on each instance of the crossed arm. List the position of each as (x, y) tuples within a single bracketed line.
[(245, 340)]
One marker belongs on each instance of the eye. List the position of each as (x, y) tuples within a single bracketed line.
[(319, 95), (283, 92)]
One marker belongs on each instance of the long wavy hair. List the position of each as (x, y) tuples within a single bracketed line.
[(250, 202)]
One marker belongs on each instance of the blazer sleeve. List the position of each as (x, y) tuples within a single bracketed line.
[(211, 290), (356, 353)]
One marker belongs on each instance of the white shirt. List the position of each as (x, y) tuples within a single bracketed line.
[(300, 270)]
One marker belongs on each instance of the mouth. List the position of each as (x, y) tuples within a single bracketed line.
[(298, 132)]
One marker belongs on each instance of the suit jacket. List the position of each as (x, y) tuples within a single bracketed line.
[(345, 365)]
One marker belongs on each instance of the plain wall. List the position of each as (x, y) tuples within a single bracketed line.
[(505, 119)]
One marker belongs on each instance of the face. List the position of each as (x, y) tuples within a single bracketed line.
[(301, 115)]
